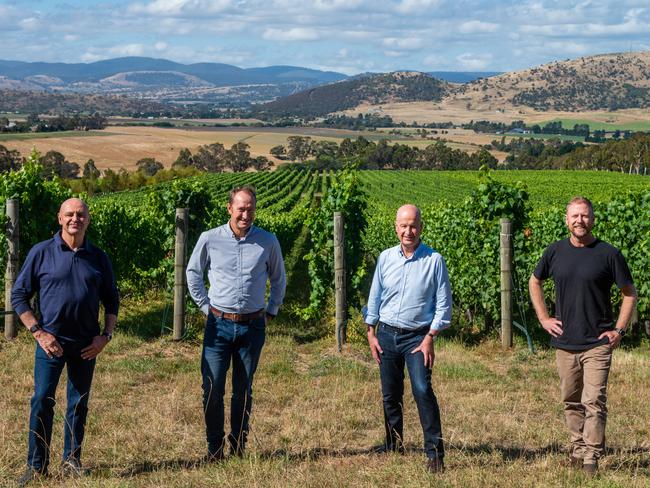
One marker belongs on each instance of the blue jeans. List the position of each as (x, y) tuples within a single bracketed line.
[(397, 347), (47, 372), (226, 342)]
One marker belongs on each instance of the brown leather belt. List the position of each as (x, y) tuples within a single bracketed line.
[(237, 317)]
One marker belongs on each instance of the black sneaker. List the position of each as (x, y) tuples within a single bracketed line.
[(435, 465), (72, 468), (31, 474), (214, 456)]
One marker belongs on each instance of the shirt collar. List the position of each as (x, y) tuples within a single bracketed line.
[(59, 240), (415, 253), (249, 233)]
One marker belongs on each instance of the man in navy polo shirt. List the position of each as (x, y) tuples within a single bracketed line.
[(71, 277)]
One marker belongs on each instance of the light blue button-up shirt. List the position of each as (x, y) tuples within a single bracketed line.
[(410, 292), (237, 271)]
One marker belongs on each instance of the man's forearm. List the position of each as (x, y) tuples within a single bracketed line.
[(627, 307), (110, 320), (28, 319), (537, 297)]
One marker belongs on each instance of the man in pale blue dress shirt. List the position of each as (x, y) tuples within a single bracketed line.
[(409, 304), (239, 259)]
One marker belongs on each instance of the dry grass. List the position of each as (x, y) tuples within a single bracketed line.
[(456, 111), (317, 415)]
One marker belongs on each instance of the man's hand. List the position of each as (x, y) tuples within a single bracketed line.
[(375, 348), (613, 337), (426, 347), (48, 343), (552, 326), (96, 346)]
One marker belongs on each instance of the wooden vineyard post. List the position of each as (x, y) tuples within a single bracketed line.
[(506, 283), (179, 272), (339, 279), (12, 266)]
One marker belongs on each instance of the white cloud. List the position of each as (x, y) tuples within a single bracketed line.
[(566, 48), (433, 61), (160, 46), (394, 54), (293, 34), (477, 27), (179, 8), (70, 38), (417, 6), (403, 43), (338, 5), (30, 24), (474, 62)]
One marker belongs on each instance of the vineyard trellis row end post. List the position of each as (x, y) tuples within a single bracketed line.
[(339, 279), (179, 272), (506, 282), (11, 272)]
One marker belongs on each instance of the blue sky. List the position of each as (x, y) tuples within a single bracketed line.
[(350, 36)]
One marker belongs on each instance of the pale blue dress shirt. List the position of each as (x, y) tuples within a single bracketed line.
[(238, 270), (413, 292)]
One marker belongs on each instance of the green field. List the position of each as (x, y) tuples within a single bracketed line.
[(598, 125), (561, 137), (394, 188), (51, 135)]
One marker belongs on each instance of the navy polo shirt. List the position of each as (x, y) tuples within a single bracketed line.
[(70, 286)]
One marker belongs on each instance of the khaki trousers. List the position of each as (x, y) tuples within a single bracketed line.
[(583, 388)]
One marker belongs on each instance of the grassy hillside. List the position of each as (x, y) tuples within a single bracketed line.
[(373, 89), (603, 82)]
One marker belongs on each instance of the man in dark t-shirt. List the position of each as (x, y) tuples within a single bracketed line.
[(583, 330)]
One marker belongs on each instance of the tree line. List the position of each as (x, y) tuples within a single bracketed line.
[(631, 155), (55, 124), (379, 155)]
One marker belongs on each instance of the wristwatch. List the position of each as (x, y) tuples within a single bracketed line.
[(35, 328), (620, 331), (108, 335), (433, 336)]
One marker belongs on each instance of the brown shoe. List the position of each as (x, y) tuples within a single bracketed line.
[(590, 469), (435, 465), (571, 462)]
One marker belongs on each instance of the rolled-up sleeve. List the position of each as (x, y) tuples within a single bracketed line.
[(374, 297), (198, 263), (277, 278), (443, 299)]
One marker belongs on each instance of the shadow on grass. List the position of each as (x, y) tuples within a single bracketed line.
[(507, 453), (513, 453)]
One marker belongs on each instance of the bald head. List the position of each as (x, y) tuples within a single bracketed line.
[(408, 227), (73, 202), (408, 211), (74, 219)]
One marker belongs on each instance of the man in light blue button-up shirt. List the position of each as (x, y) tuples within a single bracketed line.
[(409, 304), (239, 259)]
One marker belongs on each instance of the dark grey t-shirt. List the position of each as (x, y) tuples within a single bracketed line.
[(583, 279)]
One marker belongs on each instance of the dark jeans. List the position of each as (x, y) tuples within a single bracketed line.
[(47, 372), (224, 342), (397, 347)]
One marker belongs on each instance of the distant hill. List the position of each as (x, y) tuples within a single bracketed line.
[(401, 86), (163, 80), (603, 82), (41, 102)]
